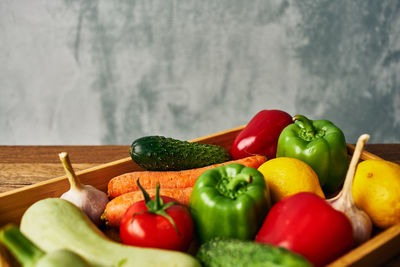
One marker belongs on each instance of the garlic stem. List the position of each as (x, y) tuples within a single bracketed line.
[(74, 182), (362, 225), (89, 199), (348, 184)]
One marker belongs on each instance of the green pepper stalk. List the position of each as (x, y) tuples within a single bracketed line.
[(229, 201), (29, 255), (321, 145), (308, 132)]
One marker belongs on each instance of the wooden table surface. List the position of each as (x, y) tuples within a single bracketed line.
[(26, 165)]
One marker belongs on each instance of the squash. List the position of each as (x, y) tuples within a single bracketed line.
[(29, 255), (55, 223)]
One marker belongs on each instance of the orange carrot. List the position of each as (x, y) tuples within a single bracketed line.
[(116, 208), (126, 183), (175, 184)]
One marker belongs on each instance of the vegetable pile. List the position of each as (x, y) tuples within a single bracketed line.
[(259, 203)]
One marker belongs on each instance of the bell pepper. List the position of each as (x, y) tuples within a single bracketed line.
[(229, 201), (321, 145), (306, 224), (260, 136)]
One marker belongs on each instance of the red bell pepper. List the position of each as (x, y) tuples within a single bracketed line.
[(306, 224), (260, 136)]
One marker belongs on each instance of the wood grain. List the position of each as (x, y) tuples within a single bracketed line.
[(49, 154), (374, 251), (17, 175)]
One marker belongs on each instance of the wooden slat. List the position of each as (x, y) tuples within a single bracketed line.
[(224, 139), (374, 252), (365, 155), (389, 152), (14, 203)]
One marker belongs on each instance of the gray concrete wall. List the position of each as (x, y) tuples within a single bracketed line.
[(108, 72)]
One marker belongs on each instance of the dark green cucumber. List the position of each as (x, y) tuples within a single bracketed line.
[(159, 153), (236, 253)]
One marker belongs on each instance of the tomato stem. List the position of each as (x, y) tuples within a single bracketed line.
[(157, 205)]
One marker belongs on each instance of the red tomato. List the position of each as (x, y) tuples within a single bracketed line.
[(139, 227)]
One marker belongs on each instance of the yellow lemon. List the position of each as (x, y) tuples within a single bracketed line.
[(287, 176), (376, 190)]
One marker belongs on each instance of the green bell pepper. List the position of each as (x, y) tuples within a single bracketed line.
[(321, 145), (229, 201)]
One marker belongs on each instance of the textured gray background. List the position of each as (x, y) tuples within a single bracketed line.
[(107, 72)]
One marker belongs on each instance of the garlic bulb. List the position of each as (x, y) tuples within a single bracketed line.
[(362, 225), (89, 199)]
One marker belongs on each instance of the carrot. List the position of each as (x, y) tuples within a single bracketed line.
[(116, 208), (175, 184), (126, 183)]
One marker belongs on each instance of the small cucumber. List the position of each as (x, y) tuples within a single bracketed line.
[(159, 153), (239, 253)]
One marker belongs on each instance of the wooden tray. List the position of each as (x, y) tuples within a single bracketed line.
[(382, 247)]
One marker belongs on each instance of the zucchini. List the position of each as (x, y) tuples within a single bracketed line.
[(55, 223), (159, 153), (240, 253), (29, 255)]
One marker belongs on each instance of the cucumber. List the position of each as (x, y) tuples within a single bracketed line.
[(159, 153), (238, 253), (55, 223)]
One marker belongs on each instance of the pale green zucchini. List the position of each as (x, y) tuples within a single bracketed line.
[(55, 223)]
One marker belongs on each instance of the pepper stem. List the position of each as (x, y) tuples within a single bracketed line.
[(235, 181), (305, 124), (21, 247)]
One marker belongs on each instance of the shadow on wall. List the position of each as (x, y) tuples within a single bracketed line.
[(185, 69)]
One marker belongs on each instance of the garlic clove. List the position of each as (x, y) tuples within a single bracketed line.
[(86, 197), (362, 225)]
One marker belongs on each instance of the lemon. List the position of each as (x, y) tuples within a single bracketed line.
[(287, 176), (376, 190)]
